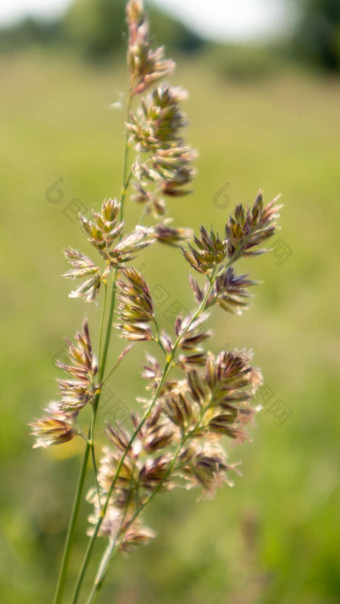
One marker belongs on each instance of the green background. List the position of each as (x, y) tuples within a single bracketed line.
[(273, 537)]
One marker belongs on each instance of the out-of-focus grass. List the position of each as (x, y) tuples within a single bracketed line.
[(274, 537)]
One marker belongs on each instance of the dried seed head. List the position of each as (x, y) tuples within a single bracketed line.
[(152, 370), (146, 66), (105, 233), (171, 168), (156, 134), (158, 436), (198, 292), (79, 390), (81, 356), (209, 253), (188, 361), (250, 227), (197, 387), (166, 341), (136, 535), (118, 436), (225, 424), (188, 331), (205, 466), (129, 246), (154, 471), (157, 432), (230, 377), (108, 467), (230, 292), (112, 521), (160, 122), (82, 266), (232, 381), (136, 310), (179, 410), (54, 429), (170, 235), (105, 227), (151, 199), (168, 171), (190, 338), (118, 525)]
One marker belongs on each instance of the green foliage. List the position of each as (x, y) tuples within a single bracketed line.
[(244, 63), (317, 38), (94, 29), (171, 33), (30, 32)]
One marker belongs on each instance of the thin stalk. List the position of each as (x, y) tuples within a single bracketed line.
[(126, 175), (102, 323), (105, 562), (70, 533), (93, 453), (102, 571), (93, 414), (157, 338), (103, 357), (126, 180), (117, 363)]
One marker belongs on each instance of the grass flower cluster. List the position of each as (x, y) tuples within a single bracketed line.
[(194, 399)]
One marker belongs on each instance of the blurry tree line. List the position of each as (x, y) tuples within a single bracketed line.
[(317, 37), (94, 29)]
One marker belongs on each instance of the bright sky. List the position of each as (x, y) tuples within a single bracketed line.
[(218, 19)]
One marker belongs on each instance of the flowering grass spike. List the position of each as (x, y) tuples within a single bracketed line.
[(195, 400)]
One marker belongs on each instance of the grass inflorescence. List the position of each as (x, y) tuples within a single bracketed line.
[(194, 397)]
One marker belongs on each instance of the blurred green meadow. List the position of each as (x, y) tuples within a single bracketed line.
[(274, 537)]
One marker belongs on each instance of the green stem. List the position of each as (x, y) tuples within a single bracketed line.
[(103, 357), (93, 453), (104, 352), (102, 323), (117, 363), (77, 500), (104, 564), (70, 533), (157, 337), (126, 175), (107, 335)]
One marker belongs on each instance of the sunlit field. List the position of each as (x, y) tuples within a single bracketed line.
[(274, 537)]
